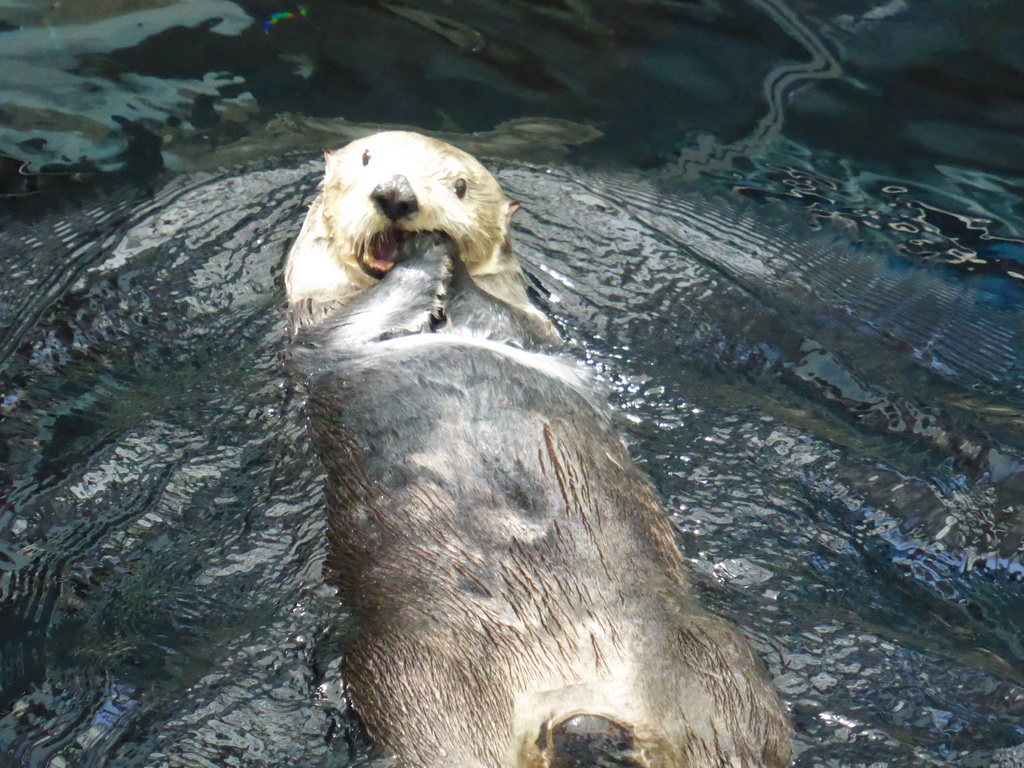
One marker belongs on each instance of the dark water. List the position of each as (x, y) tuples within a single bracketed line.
[(795, 255)]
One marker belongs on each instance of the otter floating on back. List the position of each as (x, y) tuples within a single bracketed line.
[(517, 596)]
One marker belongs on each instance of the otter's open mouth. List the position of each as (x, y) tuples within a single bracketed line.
[(377, 256)]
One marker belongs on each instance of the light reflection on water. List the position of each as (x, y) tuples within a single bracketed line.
[(162, 591), (839, 446)]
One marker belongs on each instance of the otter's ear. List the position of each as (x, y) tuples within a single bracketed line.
[(330, 158), (513, 206)]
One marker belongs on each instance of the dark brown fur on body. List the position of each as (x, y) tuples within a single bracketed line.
[(506, 565)]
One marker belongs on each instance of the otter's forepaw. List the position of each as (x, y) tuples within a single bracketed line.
[(431, 253), (428, 259), (411, 298)]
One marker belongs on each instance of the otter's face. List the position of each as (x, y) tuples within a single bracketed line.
[(379, 189)]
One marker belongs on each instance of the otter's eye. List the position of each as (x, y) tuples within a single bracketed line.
[(460, 188), (366, 157)]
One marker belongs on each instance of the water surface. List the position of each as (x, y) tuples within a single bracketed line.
[(793, 253)]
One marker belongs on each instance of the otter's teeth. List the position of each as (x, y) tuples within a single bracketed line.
[(383, 246), (377, 256)]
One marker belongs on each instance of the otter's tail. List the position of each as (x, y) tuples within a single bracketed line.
[(589, 741)]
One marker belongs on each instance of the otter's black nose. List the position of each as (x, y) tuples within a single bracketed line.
[(395, 198)]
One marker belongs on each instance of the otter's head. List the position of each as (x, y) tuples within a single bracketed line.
[(379, 189)]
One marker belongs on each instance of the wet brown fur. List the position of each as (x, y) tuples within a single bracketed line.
[(506, 565)]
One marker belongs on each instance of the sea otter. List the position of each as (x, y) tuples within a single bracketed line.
[(516, 593), (379, 190)]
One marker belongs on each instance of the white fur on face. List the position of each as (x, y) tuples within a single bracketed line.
[(477, 221), (344, 217)]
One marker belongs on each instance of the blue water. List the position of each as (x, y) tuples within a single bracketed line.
[(789, 237)]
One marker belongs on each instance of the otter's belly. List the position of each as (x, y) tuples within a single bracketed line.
[(509, 569), (480, 443), (452, 401)]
